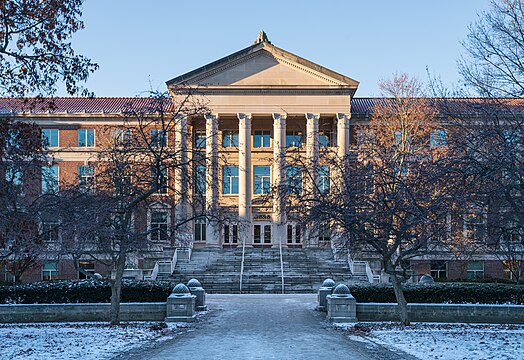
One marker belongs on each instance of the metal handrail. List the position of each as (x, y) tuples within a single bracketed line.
[(154, 273), (174, 260)]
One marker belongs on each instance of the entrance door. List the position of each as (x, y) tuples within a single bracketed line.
[(262, 233)]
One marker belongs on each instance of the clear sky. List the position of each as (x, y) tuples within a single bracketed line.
[(141, 44)]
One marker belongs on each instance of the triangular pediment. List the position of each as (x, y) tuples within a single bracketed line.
[(263, 64)]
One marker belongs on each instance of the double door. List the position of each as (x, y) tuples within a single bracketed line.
[(262, 233)]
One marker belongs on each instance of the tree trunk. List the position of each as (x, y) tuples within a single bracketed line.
[(116, 289), (401, 300)]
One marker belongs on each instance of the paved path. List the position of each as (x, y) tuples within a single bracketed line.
[(264, 327)]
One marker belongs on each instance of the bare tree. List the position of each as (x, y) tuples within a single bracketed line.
[(391, 195), (22, 155), (493, 64), (35, 48), (140, 171)]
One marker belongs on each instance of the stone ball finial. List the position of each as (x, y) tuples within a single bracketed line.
[(328, 283), (194, 283), (426, 279), (341, 290), (180, 289)]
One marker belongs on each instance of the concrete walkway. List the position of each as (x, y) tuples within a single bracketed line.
[(264, 327)]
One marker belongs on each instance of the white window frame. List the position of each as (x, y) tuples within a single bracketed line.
[(296, 234), (86, 181), (201, 225), (228, 178), (158, 141), (262, 178), (263, 134), (45, 183), (86, 138), (158, 207), (46, 138)]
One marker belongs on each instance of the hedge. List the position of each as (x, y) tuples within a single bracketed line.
[(83, 291), (91, 291)]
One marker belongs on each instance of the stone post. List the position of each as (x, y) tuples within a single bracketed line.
[(196, 289), (279, 160), (341, 305), (323, 292), (180, 305), (244, 180), (212, 235)]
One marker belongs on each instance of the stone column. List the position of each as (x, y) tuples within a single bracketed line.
[(279, 160), (311, 177), (184, 236), (244, 179), (212, 234), (343, 134)]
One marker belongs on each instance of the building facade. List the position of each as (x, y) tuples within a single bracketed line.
[(264, 103)]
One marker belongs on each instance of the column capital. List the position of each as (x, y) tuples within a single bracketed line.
[(279, 118), (244, 118), (211, 117), (312, 117), (343, 117)]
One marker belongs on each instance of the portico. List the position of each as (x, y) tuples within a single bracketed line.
[(264, 102)]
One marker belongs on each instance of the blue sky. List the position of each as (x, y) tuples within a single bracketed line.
[(141, 44)]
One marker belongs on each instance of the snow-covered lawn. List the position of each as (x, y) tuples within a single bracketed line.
[(78, 340), (445, 341)]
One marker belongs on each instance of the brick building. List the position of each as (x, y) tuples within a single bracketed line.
[(263, 101)]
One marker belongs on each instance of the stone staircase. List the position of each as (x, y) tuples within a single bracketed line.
[(304, 270)]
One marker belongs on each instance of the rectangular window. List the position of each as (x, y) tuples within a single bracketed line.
[(200, 139), (86, 138), (86, 178), (262, 234), (323, 179), (230, 180), (293, 138), (261, 179), (122, 137), (439, 269), (50, 137), (200, 180), (293, 234), (475, 270), (50, 179), (230, 234), (324, 233), (50, 271), (229, 138), (438, 138), (158, 225), (160, 180), (474, 226), (294, 179), (50, 231), (87, 267), (200, 229), (325, 139), (262, 139), (158, 138)]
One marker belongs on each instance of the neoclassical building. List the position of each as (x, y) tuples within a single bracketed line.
[(264, 102)]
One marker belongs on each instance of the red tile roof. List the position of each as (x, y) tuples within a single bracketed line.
[(477, 106), (110, 105), (79, 105)]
